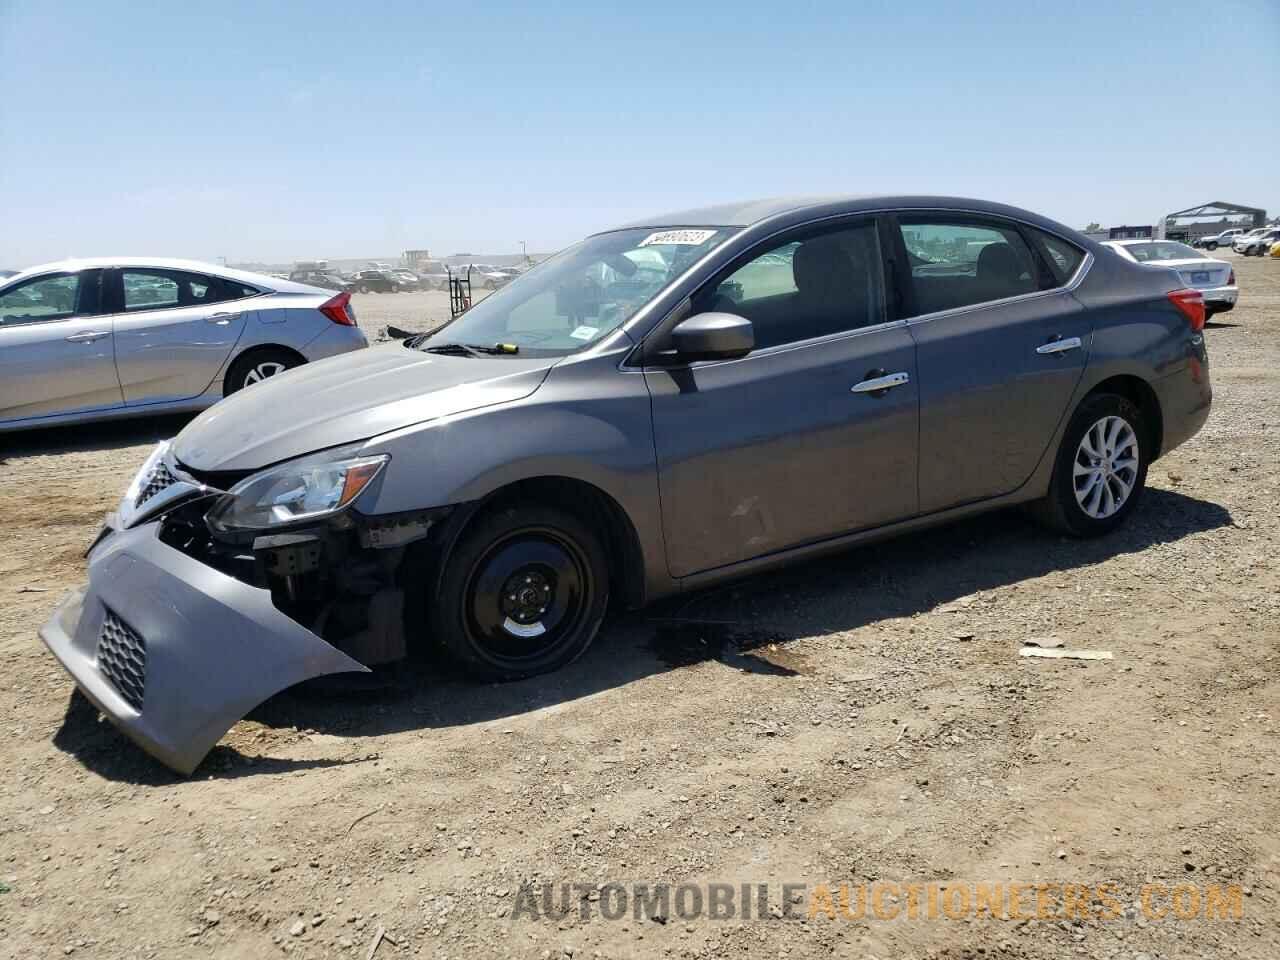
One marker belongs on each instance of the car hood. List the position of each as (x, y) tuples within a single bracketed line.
[(346, 399)]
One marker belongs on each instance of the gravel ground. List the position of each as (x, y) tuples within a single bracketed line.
[(864, 719)]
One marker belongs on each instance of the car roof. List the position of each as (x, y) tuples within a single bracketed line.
[(749, 212), (260, 280)]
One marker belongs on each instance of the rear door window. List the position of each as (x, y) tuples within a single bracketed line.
[(960, 262), (147, 289)]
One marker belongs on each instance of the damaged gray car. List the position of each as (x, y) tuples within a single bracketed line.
[(658, 408)]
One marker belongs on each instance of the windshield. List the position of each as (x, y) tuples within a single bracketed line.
[(1163, 250), (582, 294)]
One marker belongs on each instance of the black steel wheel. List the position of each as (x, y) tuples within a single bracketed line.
[(522, 593)]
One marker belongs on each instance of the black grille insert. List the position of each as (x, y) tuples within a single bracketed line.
[(122, 658), (160, 479)]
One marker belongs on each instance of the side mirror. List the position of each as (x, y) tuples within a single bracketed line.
[(713, 336)]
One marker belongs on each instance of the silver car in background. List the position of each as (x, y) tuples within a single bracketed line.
[(117, 337), (1215, 279)]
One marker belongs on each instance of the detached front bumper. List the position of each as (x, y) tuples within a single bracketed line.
[(175, 652)]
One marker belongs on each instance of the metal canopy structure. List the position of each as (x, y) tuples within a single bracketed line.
[(1209, 218)]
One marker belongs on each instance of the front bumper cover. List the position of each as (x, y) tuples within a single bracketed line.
[(212, 647)]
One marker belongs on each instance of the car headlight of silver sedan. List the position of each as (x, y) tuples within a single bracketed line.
[(306, 489)]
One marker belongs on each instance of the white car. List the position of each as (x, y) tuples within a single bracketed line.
[(124, 337), (1223, 239), (1215, 279), (1257, 242)]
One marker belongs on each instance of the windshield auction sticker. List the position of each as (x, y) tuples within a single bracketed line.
[(689, 238)]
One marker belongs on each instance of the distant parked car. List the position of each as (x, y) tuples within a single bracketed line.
[(325, 279), (1215, 279), (434, 276), (1256, 243), (1216, 240), (5, 274), (487, 276), (94, 339), (408, 280), (375, 281)]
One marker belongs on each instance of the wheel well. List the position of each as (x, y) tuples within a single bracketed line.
[(593, 507), (1138, 392), (254, 351)]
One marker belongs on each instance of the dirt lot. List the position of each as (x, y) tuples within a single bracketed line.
[(860, 720)]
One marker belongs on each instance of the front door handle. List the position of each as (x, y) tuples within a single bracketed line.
[(1059, 346), (882, 382), (221, 319), (88, 336)]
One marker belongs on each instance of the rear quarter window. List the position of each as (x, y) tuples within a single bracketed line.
[(1063, 258)]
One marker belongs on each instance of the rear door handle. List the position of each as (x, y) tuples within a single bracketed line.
[(221, 319), (879, 384), (88, 336), (1059, 346)]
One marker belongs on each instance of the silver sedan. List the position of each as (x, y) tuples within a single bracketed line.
[(115, 337), (1215, 279)]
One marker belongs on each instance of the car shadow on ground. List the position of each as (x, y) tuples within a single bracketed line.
[(102, 435), (745, 625)]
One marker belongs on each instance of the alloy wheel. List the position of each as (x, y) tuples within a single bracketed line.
[(260, 372), (1106, 467)]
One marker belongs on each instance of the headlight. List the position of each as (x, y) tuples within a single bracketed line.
[(302, 490)]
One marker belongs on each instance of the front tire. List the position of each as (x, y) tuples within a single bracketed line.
[(1101, 468), (523, 593), (1211, 245)]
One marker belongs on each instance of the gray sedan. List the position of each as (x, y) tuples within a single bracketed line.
[(656, 409), (93, 339)]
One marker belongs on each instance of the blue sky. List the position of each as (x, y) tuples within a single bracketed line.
[(275, 131)]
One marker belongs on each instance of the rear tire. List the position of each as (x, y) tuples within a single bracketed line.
[(363, 288), (1100, 470), (255, 366), (522, 593)]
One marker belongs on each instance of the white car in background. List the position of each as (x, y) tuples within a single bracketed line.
[(1215, 279), (124, 337), (1256, 243), (1223, 239)]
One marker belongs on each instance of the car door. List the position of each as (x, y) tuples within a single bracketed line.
[(56, 353), (1001, 345), (173, 331), (813, 433)]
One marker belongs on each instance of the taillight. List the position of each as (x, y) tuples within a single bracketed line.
[(338, 309), (1231, 277), (1191, 303)]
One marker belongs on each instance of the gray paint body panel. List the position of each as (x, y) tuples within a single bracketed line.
[(721, 468), (216, 647)]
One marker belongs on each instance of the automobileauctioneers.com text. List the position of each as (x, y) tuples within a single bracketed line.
[(879, 901)]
